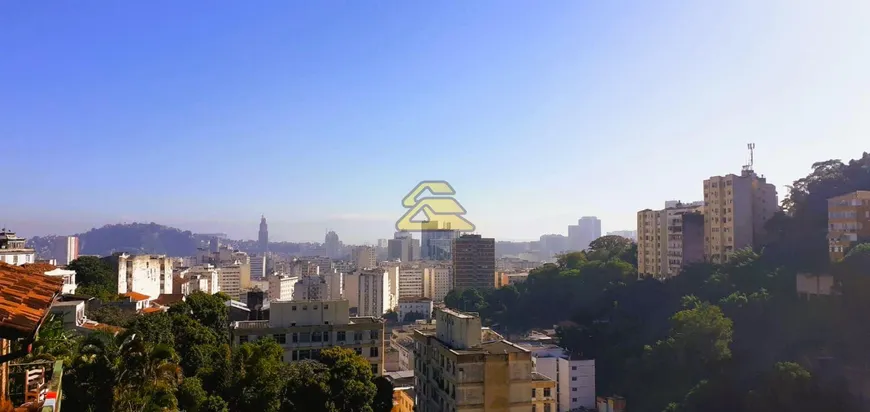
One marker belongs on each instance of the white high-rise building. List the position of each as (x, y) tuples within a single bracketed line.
[(575, 377), (203, 278), (373, 296), (66, 249), (282, 287), (258, 267), (150, 275), (588, 228)]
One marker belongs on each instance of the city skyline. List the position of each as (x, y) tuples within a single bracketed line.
[(611, 111)]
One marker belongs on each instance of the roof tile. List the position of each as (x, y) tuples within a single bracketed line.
[(25, 296)]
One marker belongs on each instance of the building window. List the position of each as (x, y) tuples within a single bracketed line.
[(357, 336), (295, 337), (573, 368), (341, 336), (573, 389), (305, 337), (374, 334), (325, 336), (281, 338), (325, 306), (547, 408), (315, 336), (358, 351), (573, 378), (294, 355), (375, 369), (573, 399), (546, 391), (534, 394), (243, 339), (373, 352), (293, 307)]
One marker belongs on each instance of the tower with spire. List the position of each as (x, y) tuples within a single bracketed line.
[(263, 238)]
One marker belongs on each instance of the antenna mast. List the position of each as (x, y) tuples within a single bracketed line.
[(749, 167)]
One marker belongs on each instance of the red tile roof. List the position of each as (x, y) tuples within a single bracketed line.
[(25, 296), (40, 267), (168, 299), (136, 296), (91, 325), (152, 309)]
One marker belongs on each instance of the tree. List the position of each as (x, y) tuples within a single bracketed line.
[(350, 380), (95, 277), (258, 381), (609, 246), (191, 396), (383, 401), (307, 388)]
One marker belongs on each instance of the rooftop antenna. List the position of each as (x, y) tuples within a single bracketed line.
[(749, 167)]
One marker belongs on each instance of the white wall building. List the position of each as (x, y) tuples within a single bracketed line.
[(13, 250), (440, 281), (423, 306), (575, 378), (203, 278), (65, 250), (150, 275), (374, 295), (69, 279), (282, 287)]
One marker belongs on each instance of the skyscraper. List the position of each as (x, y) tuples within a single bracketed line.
[(332, 245), (473, 262), (264, 235), (587, 229)]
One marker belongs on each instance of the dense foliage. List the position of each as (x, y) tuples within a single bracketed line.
[(731, 337), (182, 361)]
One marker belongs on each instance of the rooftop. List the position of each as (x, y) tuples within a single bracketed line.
[(25, 297), (460, 315), (136, 296)]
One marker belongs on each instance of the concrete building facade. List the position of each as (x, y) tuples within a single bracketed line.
[(848, 222), (13, 250), (463, 367), (736, 209), (474, 262), (150, 275), (304, 328)]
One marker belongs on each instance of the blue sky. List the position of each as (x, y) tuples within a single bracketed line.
[(203, 115)]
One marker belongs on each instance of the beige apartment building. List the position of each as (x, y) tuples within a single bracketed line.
[(463, 367), (737, 207), (304, 328), (848, 222), (669, 239)]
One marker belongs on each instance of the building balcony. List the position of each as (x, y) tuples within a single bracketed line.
[(36, 385)]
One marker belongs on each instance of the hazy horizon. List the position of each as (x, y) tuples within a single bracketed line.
[(323, 115)]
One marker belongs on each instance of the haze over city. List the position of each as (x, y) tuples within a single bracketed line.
[(322, 115)]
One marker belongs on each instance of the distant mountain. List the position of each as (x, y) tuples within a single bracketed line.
[(145, 238), (134, 238)]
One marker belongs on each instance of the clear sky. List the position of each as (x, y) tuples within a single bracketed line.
[(323, 114)]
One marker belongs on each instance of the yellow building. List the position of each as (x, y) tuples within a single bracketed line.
[(737, 207), (543, 393), (403, 399), (670, 238), (463, 367), (848, 222), (305, 327)]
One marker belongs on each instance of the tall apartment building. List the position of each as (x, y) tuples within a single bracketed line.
[(425, 279), (737, 207), (670, 238), (304, 328), (587, 229), (574, 376), (258, 267), (373, 292), (13, 250), (65, 250), (235, 278), (150, 275), (848, 222), (464, 367), (403, 247), (474, 262), (364, 257)]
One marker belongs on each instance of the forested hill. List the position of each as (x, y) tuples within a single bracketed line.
[(130, 238)]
